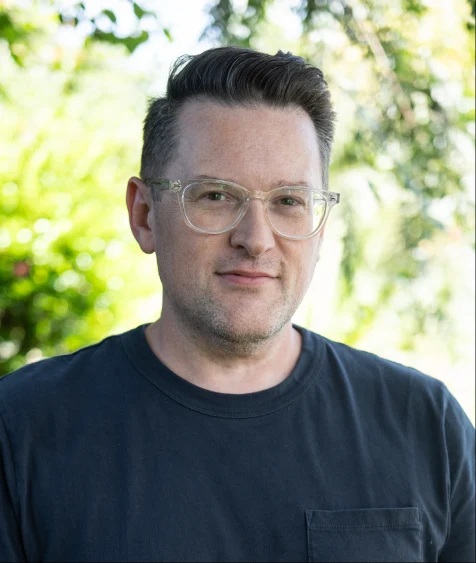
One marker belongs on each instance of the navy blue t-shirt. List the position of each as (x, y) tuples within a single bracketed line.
[(107, 455)]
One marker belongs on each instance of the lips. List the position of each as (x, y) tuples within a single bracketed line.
[(247, 273), (246, 278)]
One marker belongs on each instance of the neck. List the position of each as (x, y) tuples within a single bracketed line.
[(223, 366)]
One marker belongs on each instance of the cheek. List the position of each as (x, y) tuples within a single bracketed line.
[(304, 255), (168, 227), (304, 264), (182, 254), (315, 251)]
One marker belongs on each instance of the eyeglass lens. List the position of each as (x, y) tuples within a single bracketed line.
[(215, 207)]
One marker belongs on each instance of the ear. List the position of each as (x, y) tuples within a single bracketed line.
[(141, 214)]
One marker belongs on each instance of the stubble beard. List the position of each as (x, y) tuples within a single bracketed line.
[(207, 321)]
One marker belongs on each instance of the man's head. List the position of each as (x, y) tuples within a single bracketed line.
[(234, 76), (260, 122)]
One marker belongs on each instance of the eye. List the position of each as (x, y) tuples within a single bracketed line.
[(207, 193), (289, 201), (214, 196)]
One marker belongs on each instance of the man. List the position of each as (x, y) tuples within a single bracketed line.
[(221, 432)]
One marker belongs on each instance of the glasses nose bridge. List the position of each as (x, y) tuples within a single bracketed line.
[(257, 194)]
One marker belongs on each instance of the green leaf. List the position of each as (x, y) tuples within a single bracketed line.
[(139, 11), (131, 43), (110, 14)]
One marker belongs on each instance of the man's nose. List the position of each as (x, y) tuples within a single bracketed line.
[(253, 232)]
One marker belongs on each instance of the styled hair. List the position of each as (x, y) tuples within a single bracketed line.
[(235, 76)]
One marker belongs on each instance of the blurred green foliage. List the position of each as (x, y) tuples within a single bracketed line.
[(402, 76), (70, 137), (97, 23)]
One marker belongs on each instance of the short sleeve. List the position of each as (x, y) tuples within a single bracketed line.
[(460, 542), (11, 548)]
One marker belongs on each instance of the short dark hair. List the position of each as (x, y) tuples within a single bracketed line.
[(236, 76)]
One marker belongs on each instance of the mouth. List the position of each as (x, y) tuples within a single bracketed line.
[(246, 278)]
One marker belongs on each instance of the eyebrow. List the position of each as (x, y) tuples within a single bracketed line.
[(300, 183), (281, 183)]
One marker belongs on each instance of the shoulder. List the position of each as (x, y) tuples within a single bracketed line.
[(370, 376), (366, 365), (387, 395), (54, 378)]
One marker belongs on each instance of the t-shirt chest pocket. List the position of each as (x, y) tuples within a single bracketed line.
[(374, 534)]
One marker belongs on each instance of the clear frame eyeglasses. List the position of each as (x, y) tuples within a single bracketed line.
[(216, 206)]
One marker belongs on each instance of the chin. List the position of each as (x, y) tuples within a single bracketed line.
[(247, 336), (233, 328)]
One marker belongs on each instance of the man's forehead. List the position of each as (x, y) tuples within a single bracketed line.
[(246, 144), (259, 123)]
